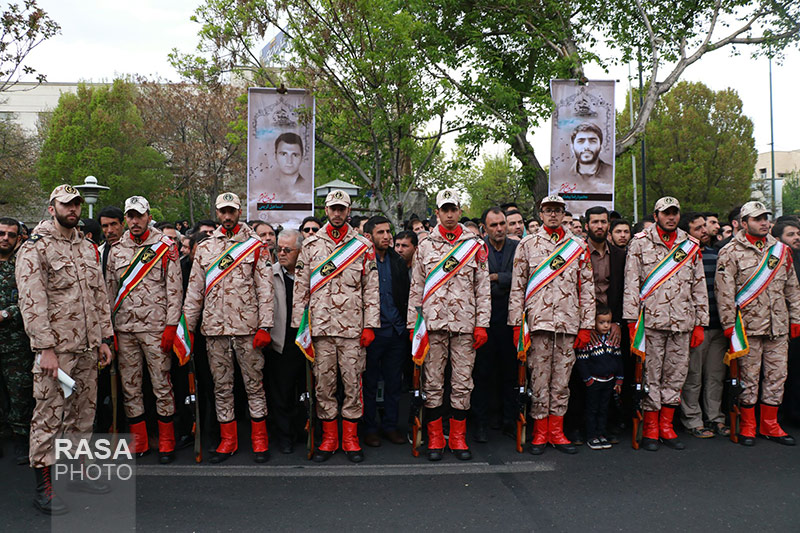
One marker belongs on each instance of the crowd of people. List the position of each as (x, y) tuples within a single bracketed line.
[(612, 322)]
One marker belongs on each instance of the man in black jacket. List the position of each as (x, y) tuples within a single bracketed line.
[(495, 368), (387, 353)]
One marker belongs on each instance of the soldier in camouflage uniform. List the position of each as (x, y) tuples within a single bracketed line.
[(560, 315), (237, 315), (456, 316), (769, 320), (145, 320), (343, 312), (674, 317), (16, 358), (64, 305)]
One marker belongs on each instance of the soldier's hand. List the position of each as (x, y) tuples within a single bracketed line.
[(697, 337), (367, 336), (168, 338), (583, 339), (480, 336), (105, 355), (261, 339), (48, 362), (794, 330)]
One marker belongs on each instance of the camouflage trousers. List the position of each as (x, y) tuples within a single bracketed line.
[(348, 358), (550, 361), (133, 348), (16, 384), (667, 364), (55, 416), (768, 355), (456, 348), (221, 350)]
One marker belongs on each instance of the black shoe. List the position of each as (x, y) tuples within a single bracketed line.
[(166, 458), (320, 456), (481, 433), (510, 430), (537, 449), (462, 455), (372, 439), (287, 447), (569, 449), (184, 442), (261, 457), (651, 445), (88, 486), (675, 443), (21, 450), (356, 456), (613, 439), (139, 455), (594, 444), (747, 441), (217, 457), (786, 440), (46, 500), (435, 454)]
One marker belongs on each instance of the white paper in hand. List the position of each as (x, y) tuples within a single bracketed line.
[(66, 382)]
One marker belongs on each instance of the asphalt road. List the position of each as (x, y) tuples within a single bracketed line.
[(713, 485)]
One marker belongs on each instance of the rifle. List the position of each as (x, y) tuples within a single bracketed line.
[(308, 399), (523, 399), (733, 399), (415, 416), (194, 407), (640, 390)]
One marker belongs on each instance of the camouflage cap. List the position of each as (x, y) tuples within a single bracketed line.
[(337, 197), (666, 202), (65, 194), (228, 199), (447, 196), (138, 204), (553, 199), (754, 209)]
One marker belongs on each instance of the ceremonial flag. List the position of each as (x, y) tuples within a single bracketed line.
[(420, 344), (524, 343), (183, 342), (303, 339)]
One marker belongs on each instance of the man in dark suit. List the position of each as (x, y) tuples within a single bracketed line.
[(495, 368), (390, 349)]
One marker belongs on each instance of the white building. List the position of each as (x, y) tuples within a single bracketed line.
[(786, 163), (27, 100)]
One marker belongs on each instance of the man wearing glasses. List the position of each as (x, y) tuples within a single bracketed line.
[(16, 358)]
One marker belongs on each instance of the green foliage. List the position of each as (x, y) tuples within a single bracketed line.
[(23, 27), (495, 183), (98, 131), (791, 194), (18, 187), (700, 149)]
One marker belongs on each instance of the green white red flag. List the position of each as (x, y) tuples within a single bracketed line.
[(183, 342), (420, 343), (524, 343), (303, 338)]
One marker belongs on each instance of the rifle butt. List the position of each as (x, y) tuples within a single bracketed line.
[(520, 435), (734, 414)]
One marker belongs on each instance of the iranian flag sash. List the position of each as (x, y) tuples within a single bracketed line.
[(420, 343), (335, 263), (303, 338), (680, 254), (751, 289), (144, 261), (183, 342), (229, 259), (552, 266), (449, 266)]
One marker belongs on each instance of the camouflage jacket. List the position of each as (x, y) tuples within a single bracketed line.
[(681, 302), (346, 304), (156, 301), (62, 296), (464, 302), (566, 304), (768, 313), (241, 302), (9, 297)]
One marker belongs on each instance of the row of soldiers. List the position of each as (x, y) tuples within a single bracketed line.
[(76, 319)]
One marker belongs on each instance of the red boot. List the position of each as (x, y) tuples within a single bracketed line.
[(665, 429), (650, 431), (330, 441), (166, 440), (435, 440), (769, 427), (747, 425), (555, 429), (458, 439), (259, 439), (141, 446), (228, 444), (350, 445), (539, 442)]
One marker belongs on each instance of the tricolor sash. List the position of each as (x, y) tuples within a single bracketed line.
[(524, 343), (420, 343), (335, 263), (449, 266), (229, 259), (303, 338), (751, 289), (552, 266), (183, 342), (680, 254), (144, 261)]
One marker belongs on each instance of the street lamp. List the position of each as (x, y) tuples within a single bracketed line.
[(90, 190), (349, 188)]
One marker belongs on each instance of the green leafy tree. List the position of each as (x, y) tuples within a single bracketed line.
[(18, 187), (791, 194), (23, 27), (700, 149), (497, 182), (98, 131)]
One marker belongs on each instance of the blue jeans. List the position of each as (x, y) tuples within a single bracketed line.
[(385, 358)]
